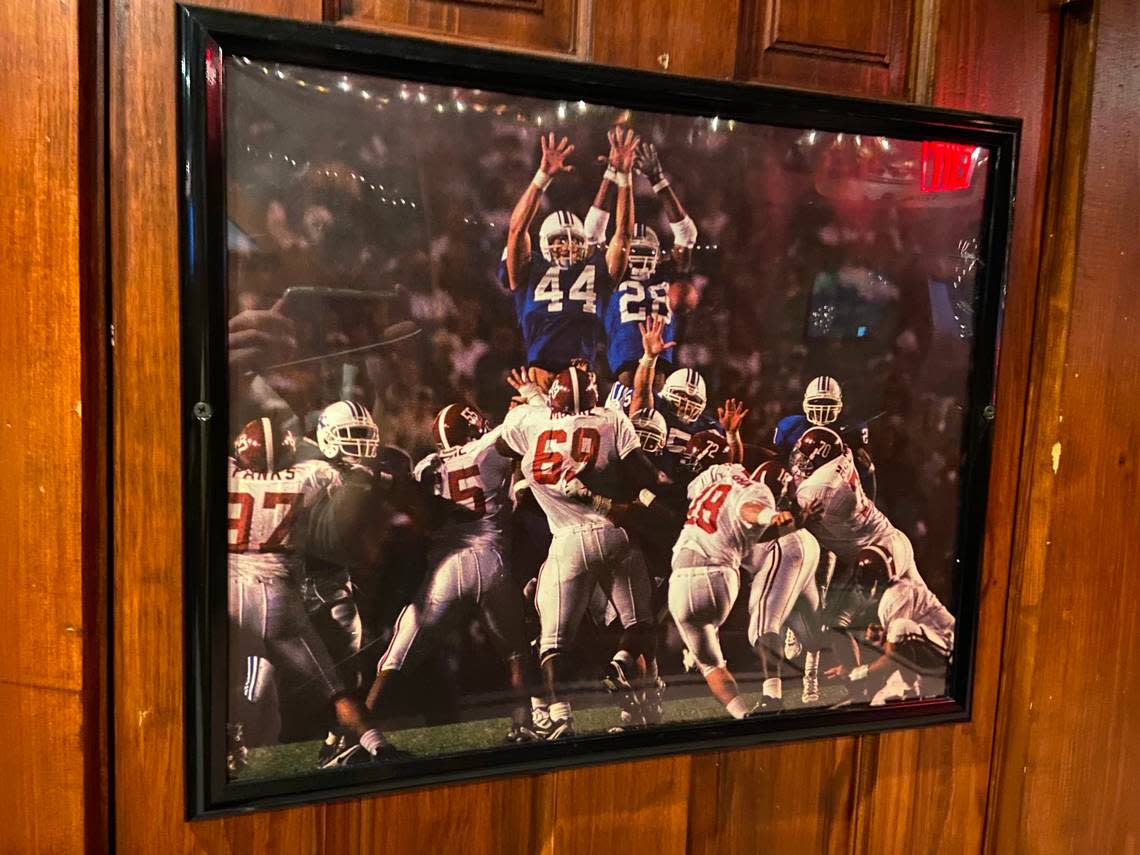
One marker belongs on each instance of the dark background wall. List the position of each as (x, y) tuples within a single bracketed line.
[(88, 195)]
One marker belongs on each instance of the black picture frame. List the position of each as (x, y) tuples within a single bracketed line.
[(205, 37)]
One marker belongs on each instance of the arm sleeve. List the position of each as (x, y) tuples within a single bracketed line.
[(513, 430), (625, 437), (334, 515)]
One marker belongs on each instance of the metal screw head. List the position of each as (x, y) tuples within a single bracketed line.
[(203, 411), (989, 412)]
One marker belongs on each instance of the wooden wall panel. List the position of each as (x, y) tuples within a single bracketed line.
[(1064, 781), (693, 37), (542, 25), (859, 48), (42, 637)]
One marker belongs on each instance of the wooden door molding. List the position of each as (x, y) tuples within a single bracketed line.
[(557, 27)]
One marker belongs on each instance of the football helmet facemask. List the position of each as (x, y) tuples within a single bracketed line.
[(562, 239), (644, 251), (684, 390), (346, 431), (651, 430), (262, 447), (823, 400), (456, 425), (873, 571)]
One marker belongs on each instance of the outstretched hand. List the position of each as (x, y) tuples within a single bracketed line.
[(647, 162), (652, 336), (623, 148), (730, 414), (259, 337), (554, 155)]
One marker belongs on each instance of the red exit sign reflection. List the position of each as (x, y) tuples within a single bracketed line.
[(947, 166)]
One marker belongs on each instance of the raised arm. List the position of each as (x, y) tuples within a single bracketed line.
[(731, 414), (648, 163), (652, 345), (623, 148), (554, 157)]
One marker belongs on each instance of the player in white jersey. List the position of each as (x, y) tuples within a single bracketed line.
[(783, 572), (845, 520), (468, 557), (912, 628), (569, 450), (728, 513), (280, 511)]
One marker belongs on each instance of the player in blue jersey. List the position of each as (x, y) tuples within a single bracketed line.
[(823, 406), (657, 282), (561, 289), (681, 401)]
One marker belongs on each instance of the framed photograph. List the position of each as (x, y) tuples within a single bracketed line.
[(542, 414)]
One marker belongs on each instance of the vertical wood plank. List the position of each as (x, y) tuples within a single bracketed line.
[(693, 37), (1064, 781)]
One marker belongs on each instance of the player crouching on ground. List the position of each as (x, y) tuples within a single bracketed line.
[(907, 622), (728, 512)]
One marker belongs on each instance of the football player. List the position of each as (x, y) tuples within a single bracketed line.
[(656, 280), (280, 512), (568, 450), (846, 520), (467, 556), (681, 401), (561, 289), (823, 407), (783, 579), (348, 438), (907, 622), (728, 513)]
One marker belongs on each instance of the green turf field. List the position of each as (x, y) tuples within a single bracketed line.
[(282, 761)]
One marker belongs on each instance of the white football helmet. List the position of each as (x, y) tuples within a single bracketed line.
[(644, 251), (823, 400), (684, 390), (562, 239), (651, 430), (345, 430)]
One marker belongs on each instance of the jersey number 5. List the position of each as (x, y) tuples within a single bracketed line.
[(705, 509), (549, 290), (472, 496), (547, 466)]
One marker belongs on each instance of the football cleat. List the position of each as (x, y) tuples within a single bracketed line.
[(331, 751), (810, 691), (358, 755), (653, 703), (561, 729), (521, 733), (237, 754), (767, 706), (337, 753), (616, 683)]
